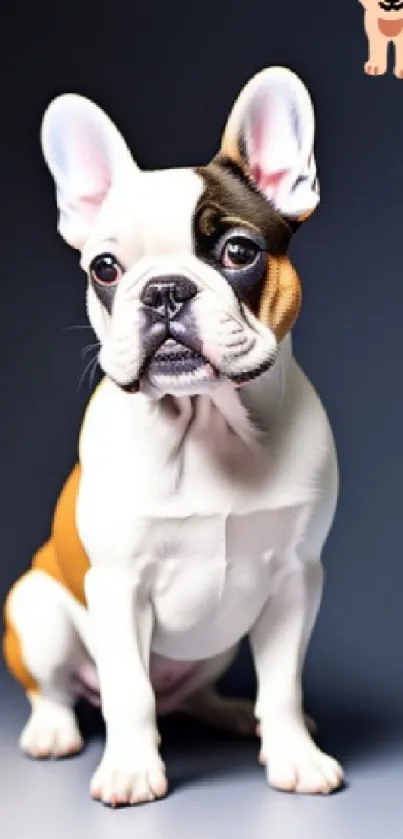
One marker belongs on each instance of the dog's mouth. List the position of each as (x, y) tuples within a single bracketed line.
[(173, 363), (180, 359), (175, 367), (173, 359)]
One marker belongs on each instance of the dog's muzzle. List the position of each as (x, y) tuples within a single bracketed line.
[(166, 302), (186, 343), (170, 338)]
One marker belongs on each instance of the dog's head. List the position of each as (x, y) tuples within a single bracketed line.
[(188, 279)]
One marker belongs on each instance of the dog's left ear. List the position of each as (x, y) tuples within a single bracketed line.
[(270, 134), (86, 155)]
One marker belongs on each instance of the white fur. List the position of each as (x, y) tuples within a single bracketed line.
[(51, 730), (215, 538), (204, 516)]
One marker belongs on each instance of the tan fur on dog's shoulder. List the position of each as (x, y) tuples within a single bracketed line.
[(63, 558)]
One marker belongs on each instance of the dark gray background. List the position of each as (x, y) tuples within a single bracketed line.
[(167, 73)]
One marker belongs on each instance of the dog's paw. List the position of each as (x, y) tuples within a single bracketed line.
[(374, 69), (295, 764), (51, 732), (118, 784)]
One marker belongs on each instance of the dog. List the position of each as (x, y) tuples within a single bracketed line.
[(383, 23), (207, 477)]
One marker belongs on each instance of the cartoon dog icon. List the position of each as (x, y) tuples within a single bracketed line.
[(383, 23)]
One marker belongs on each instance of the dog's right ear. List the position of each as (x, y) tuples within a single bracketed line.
[(86, 155), (270, 134)]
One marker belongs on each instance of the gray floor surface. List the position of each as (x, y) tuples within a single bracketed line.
[(216, 787)]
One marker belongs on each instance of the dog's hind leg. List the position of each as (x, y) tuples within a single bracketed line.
[(205, 704), (229, 714), (201, 700), (198, 698), (43, 650)]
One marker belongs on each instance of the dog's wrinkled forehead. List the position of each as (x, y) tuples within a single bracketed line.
[(169, 212), (151, 213)]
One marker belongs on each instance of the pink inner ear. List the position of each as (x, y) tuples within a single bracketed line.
[(89, 204), (89, 151), (268, 136), (267, 182), (92, 175)]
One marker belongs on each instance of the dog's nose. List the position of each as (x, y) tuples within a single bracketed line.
[(167, 295)]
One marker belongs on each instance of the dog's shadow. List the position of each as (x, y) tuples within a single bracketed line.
[(356, 733), (195, 753)]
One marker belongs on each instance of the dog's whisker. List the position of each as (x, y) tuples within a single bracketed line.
[(77, 326), (91, 364), (93, 372), (90, 347)]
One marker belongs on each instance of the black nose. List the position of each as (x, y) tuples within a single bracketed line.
[(167, 295)]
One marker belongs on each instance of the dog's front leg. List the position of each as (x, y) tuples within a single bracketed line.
[(131, 770), (279, 640)]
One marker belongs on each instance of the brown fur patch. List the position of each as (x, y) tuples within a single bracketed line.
[(229, 194), (63, 558), (71, 561), (281, 297), (230, 148), (230, 200)]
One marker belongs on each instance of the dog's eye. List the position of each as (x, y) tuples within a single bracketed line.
[(238, 252), (105, 269)]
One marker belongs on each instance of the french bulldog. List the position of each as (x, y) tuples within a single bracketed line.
[(207, 478), (383, 23)]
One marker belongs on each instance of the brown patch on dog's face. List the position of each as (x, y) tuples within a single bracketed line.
[(231, 206), (281, 297), (230, 191)]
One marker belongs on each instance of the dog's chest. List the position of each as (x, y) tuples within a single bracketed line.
[(212, 577), (201, 533), (203, 521)]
